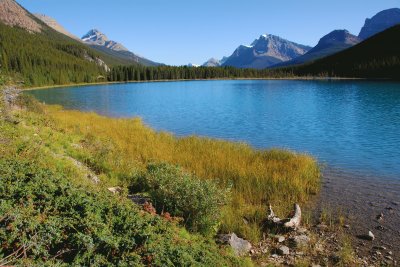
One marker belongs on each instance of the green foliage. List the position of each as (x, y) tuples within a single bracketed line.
[(46, 58), (141, 73), (172, 190), (258, 177), (45, 218)]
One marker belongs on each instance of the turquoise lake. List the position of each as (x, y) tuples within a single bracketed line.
[(348, 125)]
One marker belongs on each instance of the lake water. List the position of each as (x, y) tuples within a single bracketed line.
[(349, 125)]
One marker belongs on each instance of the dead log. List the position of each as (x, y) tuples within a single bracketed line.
[(294, 222), (290, 223), (272, 217)]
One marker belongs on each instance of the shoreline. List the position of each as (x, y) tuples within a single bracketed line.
[(360, 200), (365, 254), (191, 80)]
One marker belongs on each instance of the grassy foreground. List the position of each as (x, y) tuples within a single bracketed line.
[(51, 212), (119, 149)]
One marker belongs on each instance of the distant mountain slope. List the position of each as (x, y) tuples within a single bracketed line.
[(264, 52), (380, 22), (99, 41), (330, 44), (95, 37), (12, 14), (376, 57), (38, 55), (52, 23), (213, 62)]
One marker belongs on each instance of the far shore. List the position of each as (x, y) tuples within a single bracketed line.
[(188, 80)]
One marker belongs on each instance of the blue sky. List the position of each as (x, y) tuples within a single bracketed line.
[(177, 32)]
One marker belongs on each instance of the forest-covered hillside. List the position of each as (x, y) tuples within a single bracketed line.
[(47, 58), (376, 57)]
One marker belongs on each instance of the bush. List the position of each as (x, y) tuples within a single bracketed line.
[(172, 190), (46, 219)]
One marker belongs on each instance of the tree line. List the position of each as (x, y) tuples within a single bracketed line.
[(141, 73), (45, 58)]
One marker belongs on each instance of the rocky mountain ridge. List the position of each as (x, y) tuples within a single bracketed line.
[(12, 14), (331, 43), (52, 23), (264, 52), (380, 22), (95, 37)]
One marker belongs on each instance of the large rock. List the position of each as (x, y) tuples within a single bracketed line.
[(240, 246), (283, 250), (380, 22)]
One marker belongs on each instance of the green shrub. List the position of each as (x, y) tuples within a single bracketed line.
[(46, 219), (196, 200)]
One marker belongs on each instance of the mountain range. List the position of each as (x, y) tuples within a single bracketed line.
[(275, 51), (376, 57), (213, 62), (331, 43), (264, 52), (100, 42), (380, 22)]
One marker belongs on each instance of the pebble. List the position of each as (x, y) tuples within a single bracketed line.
[(346, 226), (395, 203), (280, 238), (371, 236), (379, 217), (283, 250), (380, 247), (274, 256), (389, 258)]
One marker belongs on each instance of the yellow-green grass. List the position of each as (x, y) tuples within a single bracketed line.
[(118, 148)]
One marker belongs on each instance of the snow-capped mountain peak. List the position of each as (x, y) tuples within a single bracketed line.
[(265, 51), (95, 37)]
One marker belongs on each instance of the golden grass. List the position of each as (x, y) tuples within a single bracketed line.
[(258, 177)]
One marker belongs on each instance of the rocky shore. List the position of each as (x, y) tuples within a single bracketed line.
[(371, 208)]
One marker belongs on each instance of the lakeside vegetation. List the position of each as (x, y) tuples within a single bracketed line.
[(230, 184), (51, 213), (121, 149)]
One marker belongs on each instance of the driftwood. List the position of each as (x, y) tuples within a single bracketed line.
[(290, 223)]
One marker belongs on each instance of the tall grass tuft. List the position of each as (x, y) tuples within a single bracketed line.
[(120, 147)]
